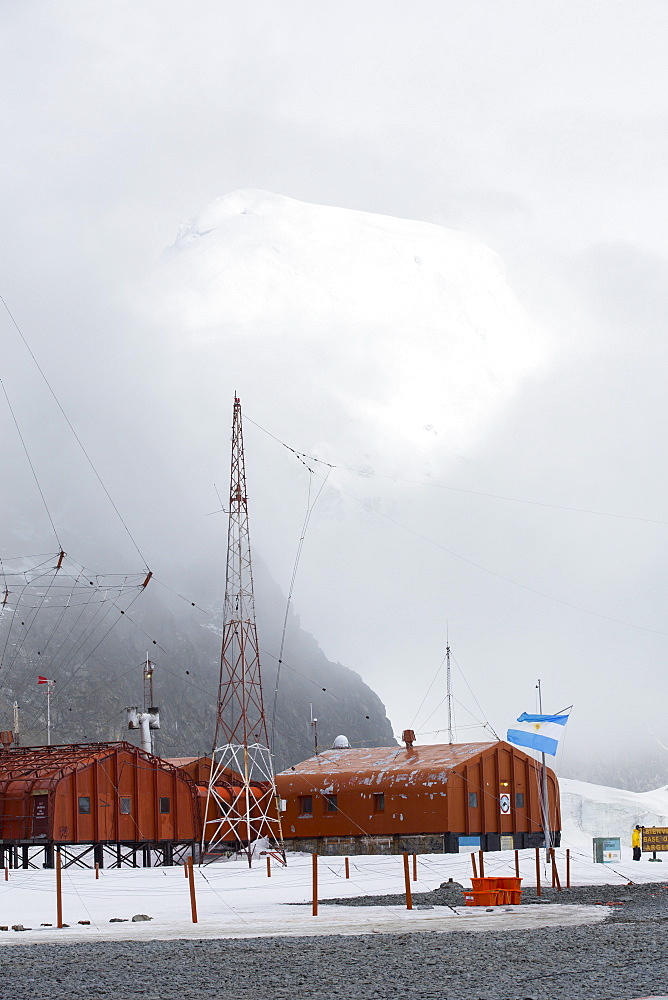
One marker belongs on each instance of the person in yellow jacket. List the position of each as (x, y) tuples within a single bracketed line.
[(635, 844)]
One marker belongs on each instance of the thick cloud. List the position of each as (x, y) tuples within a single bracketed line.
[(540, 131)]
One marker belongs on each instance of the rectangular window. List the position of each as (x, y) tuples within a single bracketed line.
[(331, 805), (126, 804), (473, 800), (519, 800), (84, 805), (164, 806), (379, 802), (305, 805)]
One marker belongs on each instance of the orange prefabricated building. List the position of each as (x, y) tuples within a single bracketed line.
[(416, 798), (112, 797)]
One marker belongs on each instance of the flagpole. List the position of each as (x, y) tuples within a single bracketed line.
[(546, 803)]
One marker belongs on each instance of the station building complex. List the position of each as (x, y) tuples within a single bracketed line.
[(422, 799), (113, 804)]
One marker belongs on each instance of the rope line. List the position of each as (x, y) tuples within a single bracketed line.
[(494, 573), (465, 559), (76, 436), (30, 463), (309, 510), (370, 474)]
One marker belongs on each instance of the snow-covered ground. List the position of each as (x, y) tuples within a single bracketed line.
[(235, 901)]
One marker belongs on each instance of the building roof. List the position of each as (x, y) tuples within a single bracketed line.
[(437, 759), (53, 762)]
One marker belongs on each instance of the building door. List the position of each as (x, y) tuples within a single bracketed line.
[(40, 816)]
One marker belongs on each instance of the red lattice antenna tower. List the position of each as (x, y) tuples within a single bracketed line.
[(242, 803)]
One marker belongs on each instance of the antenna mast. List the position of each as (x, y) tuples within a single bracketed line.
[(448, 676), (241, 741), (544, 800)]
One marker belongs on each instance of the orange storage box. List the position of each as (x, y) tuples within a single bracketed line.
[(485, 884), (494, 891), (510, 890), (486, 897), (514, 884)]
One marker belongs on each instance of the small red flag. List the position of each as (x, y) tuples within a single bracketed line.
[(42, 680)]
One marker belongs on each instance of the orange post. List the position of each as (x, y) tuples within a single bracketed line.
[(185, 868), (59, 891), (481, 858), (475, 870), (568, 868), (555, 872), (268, 867), (407, 880), (517, 864), (314, 863), (97, 870), (347, 868), (415, 867), (538, 892), (191, 880)]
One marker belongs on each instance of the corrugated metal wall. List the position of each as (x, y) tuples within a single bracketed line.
[(492, 792), (90, 794)]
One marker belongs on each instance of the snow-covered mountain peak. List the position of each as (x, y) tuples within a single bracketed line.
[(405, 327)]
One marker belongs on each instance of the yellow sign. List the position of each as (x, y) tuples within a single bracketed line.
[(654, 838)]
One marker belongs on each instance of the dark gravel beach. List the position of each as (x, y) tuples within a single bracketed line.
[(623, 958), (630, 902)]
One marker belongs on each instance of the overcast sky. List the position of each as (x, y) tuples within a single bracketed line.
[(541, 131)]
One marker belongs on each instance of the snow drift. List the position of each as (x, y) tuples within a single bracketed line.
[(598, 811)]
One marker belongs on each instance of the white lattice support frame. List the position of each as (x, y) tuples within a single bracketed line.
[(252, 812)]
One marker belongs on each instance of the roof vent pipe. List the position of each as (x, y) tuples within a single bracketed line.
[(144, 721)]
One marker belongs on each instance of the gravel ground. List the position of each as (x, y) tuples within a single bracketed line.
[(623, 958), (631, 903)]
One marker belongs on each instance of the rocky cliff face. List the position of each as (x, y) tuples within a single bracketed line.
[(93, 690)]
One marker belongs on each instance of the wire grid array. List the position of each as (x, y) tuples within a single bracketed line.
[(54, 613)]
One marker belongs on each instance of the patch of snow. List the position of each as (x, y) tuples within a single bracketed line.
[(589, 810), (235, 901)]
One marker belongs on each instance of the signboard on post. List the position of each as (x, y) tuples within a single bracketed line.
[(654, 838), (607, 850)]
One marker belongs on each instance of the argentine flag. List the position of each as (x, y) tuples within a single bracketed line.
[(538, 732)]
